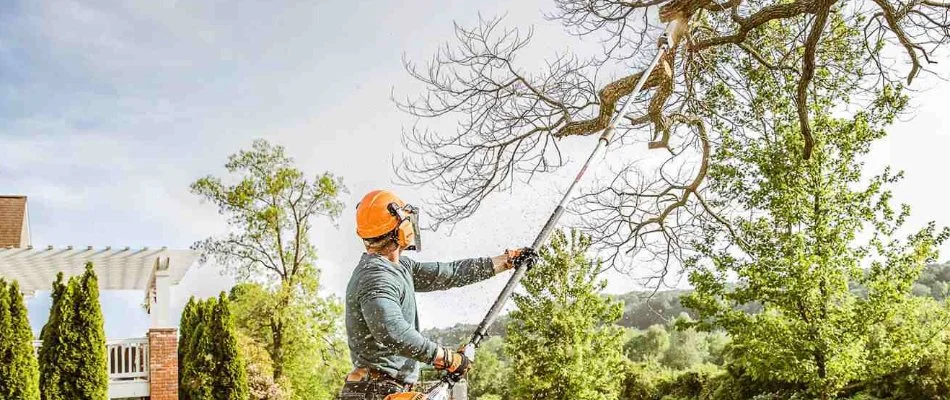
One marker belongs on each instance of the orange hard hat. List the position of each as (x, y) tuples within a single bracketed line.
[(381, 212)]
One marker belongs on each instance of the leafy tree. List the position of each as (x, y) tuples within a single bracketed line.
[(649, 345), (316, 349), (260, 371), (270, 208), (793, 247), (561, 339), (509, 112), (490, 378), (19, 373), (687, 346)]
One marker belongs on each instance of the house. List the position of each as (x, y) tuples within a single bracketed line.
[(143, 367)]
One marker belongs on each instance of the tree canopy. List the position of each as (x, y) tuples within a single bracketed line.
[(511, 117)]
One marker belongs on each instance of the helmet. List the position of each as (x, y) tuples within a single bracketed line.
[(381, 213)]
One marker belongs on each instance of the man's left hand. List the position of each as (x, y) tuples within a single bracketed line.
[(506, 261)]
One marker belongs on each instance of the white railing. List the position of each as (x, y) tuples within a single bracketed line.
[(127, 358)]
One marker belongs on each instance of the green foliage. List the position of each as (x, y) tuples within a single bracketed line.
[(260, 372), (793, 249), (490, 376), (652, 381), (72, 359), (55, 355), (19, 374), (649, 345), (312, 339), (212, 367), (270, 207), (561, 340), (687, 347)]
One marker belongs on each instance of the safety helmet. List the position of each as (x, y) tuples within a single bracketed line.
[(382, 213)]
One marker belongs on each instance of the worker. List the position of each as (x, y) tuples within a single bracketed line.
[(382, 325)]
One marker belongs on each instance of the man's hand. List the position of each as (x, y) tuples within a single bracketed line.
[(511, 258), (455, 362)]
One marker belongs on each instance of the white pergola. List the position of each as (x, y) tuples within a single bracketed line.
[(153, 271)]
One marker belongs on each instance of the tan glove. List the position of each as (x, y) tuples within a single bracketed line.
[(454, 362)]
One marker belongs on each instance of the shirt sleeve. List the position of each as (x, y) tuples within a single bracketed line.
[(431, 276), (379, 303)]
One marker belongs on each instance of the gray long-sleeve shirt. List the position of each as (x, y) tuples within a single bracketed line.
[(382, 326)]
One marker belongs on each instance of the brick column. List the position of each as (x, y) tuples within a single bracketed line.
[(163, 363)]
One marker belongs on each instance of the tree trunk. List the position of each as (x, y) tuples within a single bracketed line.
[(277, 349)]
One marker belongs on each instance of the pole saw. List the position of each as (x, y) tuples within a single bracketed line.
[(442, 389)]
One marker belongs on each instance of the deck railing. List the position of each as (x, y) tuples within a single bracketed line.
[(127, 358)]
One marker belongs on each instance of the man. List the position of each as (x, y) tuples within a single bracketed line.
[(382, 325)]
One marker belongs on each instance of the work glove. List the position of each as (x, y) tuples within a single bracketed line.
[(526, 256), (456, 363)]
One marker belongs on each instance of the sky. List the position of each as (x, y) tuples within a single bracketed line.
[(109, 110)]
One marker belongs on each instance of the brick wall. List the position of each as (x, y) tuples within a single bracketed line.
[(163, 363)]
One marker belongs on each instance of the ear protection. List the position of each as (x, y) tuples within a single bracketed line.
[(406, 233)]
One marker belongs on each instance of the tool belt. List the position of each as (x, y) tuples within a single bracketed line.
[(372, 383)]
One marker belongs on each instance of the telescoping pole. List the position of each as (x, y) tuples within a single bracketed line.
[(440, 391), (545, 233)]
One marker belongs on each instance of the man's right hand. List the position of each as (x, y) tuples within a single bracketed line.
[(452, 361)]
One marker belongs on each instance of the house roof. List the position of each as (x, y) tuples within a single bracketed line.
[(12, 217)]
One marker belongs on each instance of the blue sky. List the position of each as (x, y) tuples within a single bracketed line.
[(108, 110)]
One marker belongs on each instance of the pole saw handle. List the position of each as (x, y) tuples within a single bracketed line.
[(526, 259)]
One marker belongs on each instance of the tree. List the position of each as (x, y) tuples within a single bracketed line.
[(792, 244), (72, 358), (687, 346), (230, 377), (315, 349), (90, 376), (649, 345), (260, 372), (55, 357), (490, 378), (19, 373), (212, 367), (512, 117), (270, 209), (562, 340), (196, 351)]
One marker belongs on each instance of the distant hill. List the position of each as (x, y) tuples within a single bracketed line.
[(645, 308)]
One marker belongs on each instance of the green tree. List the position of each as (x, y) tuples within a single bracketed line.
[(213, 367), (270, 207), (230, 376), (490, 378), (317, 352), (687, 346), (649, 345), (260, 371), (19, 373), (186, 337), (55, 356), (73, 355), (196, 351), (90, 376), (562, 339), (794, 248)]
